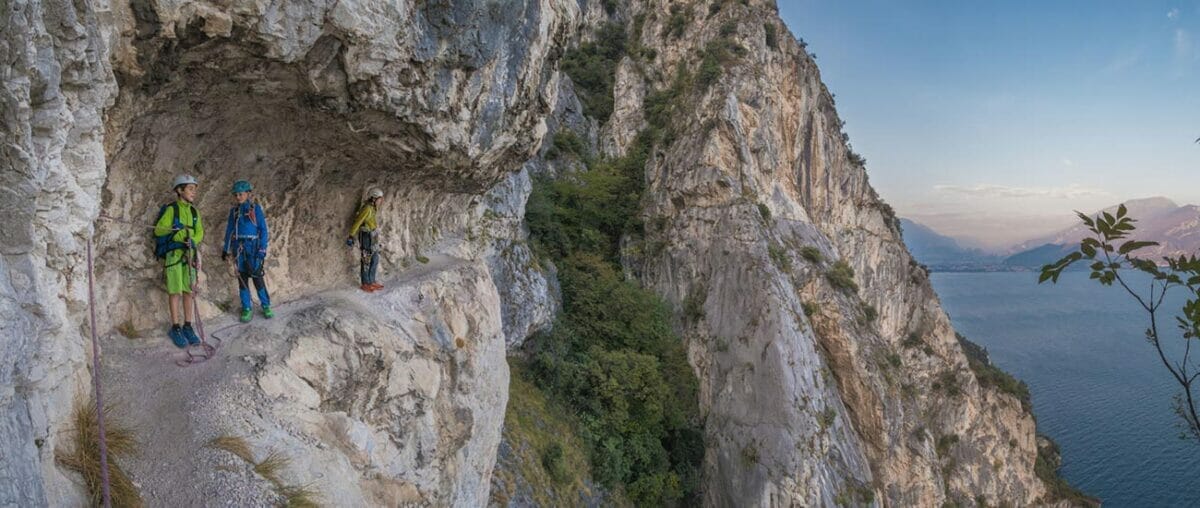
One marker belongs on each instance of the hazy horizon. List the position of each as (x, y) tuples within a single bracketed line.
[(1009, 231), (994, 121)]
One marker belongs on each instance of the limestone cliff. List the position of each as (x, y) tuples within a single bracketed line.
[(839, 390), (817, 386), (438, 103)]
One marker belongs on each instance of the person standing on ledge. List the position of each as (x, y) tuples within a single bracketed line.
[(178, 233), (246, 240), (367, 229)]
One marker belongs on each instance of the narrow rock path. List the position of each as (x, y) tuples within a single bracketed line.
[(175, 411)]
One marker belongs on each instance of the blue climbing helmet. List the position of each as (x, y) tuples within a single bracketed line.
[(241, 186)]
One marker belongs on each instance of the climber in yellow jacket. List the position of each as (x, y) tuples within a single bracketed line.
[(178, 233), (367, 229)]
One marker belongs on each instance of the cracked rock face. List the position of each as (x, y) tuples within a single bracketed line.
[(809, 390), (809, 393), (54, 83), (313, 102)]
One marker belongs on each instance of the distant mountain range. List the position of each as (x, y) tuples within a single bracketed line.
[(1175, 227), (942, 253)]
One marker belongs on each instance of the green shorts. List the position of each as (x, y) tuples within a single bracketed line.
[(179, 278)]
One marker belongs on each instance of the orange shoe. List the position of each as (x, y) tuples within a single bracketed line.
[(376, 285), (368, 288)]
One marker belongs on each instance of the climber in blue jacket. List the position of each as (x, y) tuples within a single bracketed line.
[(246, 240)]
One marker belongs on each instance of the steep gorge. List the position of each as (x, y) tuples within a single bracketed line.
[(814, 391)]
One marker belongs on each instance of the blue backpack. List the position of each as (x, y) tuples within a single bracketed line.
[(165, 244)]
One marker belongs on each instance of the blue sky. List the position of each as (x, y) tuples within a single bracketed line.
[(993, 120)]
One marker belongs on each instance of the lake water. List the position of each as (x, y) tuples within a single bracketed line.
[(1099, 389)]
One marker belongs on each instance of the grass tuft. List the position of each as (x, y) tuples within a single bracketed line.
[(127, 329), (234, 445), (300, 496), (271, 466), (84, 457)]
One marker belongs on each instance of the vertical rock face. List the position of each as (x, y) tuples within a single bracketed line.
[(438, 103), (811, 394), (55, 81), (815, 391)]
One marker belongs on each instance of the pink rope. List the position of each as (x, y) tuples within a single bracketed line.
[(96, 380)]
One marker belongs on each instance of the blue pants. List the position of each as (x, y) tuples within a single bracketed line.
[(250, 267), (370, 257)]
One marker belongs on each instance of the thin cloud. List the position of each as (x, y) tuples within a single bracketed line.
[(1173, 13), (1074, 191), (1184, 49), (1067, 162), (1185, 53), (1124, 60)]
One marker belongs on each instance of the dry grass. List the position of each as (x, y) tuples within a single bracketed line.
[(127, 329), (271, 466), (84, 457), (300, 496), (234, 445)]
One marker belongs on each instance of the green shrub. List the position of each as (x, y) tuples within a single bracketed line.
[(678, 21), (566, 142), (991, 376), (812, 254), (764, 212), (947, 382), (588, 211), (827, 417), (592, 67), (855, 158), (913, 341), (780, 257), (869, 313), (894, 360), (728, 28), (552, 460), (841, 276), (945, 442), (771, 35), (612, 356), (809, 308), (716, 55), (750, 455)]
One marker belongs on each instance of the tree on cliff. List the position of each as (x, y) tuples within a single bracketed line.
[(1112, 263)]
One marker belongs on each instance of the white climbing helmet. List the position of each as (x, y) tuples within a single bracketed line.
[(184, 180), (375, 193)]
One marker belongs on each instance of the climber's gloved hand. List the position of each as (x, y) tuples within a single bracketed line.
[(349, 241)]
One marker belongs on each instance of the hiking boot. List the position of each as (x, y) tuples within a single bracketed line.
[(177, 337), (268, 313), (247, 315), (190, 335), (367, 287), (376, 285)]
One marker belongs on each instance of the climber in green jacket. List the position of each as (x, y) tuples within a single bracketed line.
[(367, 229), (179, 231)]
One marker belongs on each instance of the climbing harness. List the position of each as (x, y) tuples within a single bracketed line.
[(96, 379)]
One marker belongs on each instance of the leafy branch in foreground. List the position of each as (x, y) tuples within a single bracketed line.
[(1108, 259)]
